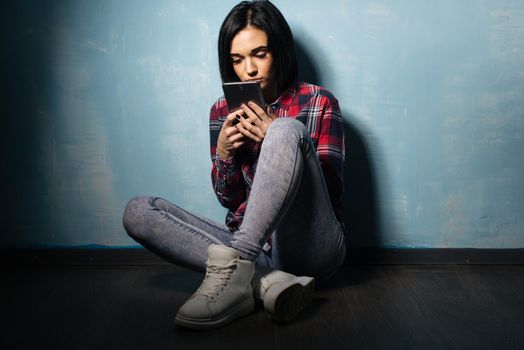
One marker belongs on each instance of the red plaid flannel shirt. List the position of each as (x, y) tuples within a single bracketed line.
[(314, 106)]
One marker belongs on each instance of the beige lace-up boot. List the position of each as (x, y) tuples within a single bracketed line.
[(284, 295), (225, 294)]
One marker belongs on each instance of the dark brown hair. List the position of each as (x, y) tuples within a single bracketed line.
[(264, 16)]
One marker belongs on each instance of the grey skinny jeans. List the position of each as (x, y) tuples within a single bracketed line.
[(288, 197)]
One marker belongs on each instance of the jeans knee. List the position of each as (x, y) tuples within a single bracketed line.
[(133, 214), (285, 127)]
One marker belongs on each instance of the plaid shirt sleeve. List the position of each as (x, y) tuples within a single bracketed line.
[(331, 151), (226, 175)]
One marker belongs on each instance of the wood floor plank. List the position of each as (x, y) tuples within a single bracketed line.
[(384, 307), (362, 307), (460, 311)]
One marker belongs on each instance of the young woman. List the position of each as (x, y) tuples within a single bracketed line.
[(278, 169)]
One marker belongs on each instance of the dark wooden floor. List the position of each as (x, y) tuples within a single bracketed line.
[(363, 307)]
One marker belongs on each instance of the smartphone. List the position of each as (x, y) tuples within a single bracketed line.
[(240, 92)]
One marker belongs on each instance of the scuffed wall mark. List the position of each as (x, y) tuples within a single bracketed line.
[(97, 47), (487, 227), (454, 223), (507, 32), (501, 13), (376, 9), (449, 224)]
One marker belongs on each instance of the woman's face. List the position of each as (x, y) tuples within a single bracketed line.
[(252, 60)]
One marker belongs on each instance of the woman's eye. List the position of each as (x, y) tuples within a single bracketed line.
[(261, 54)]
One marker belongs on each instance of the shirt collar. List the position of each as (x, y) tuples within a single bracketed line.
[(285, 99)]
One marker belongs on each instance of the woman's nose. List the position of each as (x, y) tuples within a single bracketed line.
[(251, 68)]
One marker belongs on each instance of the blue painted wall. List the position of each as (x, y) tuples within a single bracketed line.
[(104, 100)]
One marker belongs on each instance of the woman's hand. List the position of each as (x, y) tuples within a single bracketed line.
[(230, 138), (256, 121)]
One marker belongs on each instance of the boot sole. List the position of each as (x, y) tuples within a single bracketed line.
[(240, 310), (285, 300)]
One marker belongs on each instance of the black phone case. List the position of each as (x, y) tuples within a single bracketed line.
[(242, 92)]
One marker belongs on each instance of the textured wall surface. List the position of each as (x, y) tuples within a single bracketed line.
[(105, 100)]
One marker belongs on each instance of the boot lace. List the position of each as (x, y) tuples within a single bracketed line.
[(216, 278)]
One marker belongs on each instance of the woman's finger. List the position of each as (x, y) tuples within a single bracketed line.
[(238, 136), (249, 134), (236, 145), (251, 115), (253, 129), (230, 131), (260, 112), (230, 119)]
